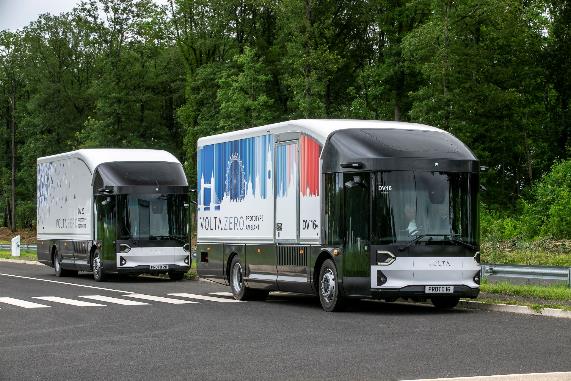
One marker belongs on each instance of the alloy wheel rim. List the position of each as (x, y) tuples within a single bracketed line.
[(96, 265), (328, 285), (237, 277)]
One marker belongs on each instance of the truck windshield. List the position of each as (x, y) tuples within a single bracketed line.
[(152, 216), (417, 205)]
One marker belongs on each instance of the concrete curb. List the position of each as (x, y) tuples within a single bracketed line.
[(22, 261), (516, 309)]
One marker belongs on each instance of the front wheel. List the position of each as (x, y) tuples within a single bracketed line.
[(330, 295), (97, 265), (445, 302)]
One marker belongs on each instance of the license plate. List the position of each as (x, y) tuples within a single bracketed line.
[(158, 267), (439, 289)]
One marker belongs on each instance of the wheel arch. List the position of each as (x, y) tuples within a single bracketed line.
[(53, 251), (322, 257), (228, 263)]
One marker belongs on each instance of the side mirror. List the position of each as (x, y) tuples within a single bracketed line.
[(191, 200)]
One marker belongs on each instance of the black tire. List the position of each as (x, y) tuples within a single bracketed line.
[(330, 295), (59, 270), (238, 286), (57, 265), (97, 267), (176, 275), (445, 302)]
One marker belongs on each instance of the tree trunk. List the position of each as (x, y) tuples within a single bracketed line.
[(13, 159)]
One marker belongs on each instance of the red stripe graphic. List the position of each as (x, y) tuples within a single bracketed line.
[(309, 185)]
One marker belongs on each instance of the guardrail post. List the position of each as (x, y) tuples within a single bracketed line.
[(569, 278)]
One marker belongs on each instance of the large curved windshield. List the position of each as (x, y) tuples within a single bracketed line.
[(409, 205), (152, 216)]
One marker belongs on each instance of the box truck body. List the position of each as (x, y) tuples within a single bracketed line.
[(112, 211), (318, 206)]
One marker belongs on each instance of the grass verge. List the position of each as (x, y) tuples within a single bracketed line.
[(28, 255), (554, 292), (536, 297)]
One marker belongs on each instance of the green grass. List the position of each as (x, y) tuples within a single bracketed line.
[(191, 274), (534, 306), (28, 255), (552, 292)]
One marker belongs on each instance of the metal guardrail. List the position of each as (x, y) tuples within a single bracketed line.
[(562, 274), (7, 246)]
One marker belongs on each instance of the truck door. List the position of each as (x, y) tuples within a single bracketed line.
[(287, 192), (106, 225)]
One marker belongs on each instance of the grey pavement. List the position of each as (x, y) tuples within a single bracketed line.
[(285, 337)]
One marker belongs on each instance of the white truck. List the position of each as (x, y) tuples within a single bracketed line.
[(342, 209), (122, 211)]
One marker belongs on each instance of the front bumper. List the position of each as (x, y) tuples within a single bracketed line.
[(144, 269), (461, 291)]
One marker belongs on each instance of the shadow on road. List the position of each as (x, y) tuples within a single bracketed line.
[(399, 307)]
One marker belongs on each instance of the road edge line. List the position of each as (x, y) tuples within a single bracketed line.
[(514, 308)]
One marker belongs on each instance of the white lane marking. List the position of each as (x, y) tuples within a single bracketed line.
[(159, 299), (551, 376), (21, 303), (204, 297), (223, 293), (109, 299), (71, 302), (66, 283)]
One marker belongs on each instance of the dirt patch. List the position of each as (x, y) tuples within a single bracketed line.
[(26, 236)]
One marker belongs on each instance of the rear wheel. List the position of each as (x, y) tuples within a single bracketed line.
[(445, 302), (97, 265), (330, 295), (59, 270), (238, 286)]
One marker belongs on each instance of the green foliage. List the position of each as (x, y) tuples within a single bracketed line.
[(114, 73), (543, 213)]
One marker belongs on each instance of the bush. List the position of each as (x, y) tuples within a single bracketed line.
[(548, 212), (544, 213)]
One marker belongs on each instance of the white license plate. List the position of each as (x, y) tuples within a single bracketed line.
[(158, 267), (439, 289)]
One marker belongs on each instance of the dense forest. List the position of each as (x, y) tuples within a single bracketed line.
[(131, 73)]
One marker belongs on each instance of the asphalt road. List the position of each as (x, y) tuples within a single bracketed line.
[(286, 337)]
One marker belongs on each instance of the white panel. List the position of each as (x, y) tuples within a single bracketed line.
[(144, 256), (409, 271), (235, 190), (64, 200), (287, 191)]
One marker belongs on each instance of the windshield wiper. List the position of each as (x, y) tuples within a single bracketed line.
[(173, 237), (418, 238)]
